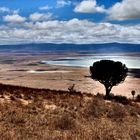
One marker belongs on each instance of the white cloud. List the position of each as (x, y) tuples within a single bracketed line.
[(62, 3), (4, 9), (15, 18), (89, 6), (40, 16), (8, 10), (15, 11), (46, 7), (127, 9), (72, 31), (124, 10)]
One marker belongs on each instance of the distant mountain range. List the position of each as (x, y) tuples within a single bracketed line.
[(83, 48)]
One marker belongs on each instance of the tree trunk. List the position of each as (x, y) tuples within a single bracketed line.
[(108, 89)]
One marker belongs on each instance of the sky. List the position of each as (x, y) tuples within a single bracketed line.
[(69, 21)]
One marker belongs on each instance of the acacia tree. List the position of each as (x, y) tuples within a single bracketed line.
[(109, 73)]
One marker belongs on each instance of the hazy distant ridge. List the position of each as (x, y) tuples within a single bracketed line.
[(107, 48)]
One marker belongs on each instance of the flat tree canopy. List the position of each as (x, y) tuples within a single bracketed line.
[(109, 73)]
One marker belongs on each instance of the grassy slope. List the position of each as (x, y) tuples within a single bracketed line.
[(27, 113)]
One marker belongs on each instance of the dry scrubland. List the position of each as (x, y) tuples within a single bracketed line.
[(27, 113)]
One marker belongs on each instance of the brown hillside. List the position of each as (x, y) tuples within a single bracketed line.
[(27, 113)]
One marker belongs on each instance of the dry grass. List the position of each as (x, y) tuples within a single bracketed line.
[(32, 114)]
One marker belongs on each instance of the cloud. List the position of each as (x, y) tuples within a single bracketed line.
[(40, 16), (72, 31), (8, 10), (62, 3), (15, 11), (89, 6), (4, 9), (46, 7), (15, 18), (125, 10)]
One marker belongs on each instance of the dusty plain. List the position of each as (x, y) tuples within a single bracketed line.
[(25, 69)]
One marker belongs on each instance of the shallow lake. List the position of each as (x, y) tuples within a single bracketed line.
[(86, 61)]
